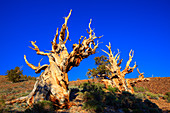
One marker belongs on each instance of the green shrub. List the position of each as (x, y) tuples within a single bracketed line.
[(41, 107), (140, 89), (96, 94), (161, 95), (154, 110), (168, 97), (140, 95), (14, 75), (126, 110), (152, 95), (88, 86), (137, 111), (150, 104), (165, 97), (168, 94), (112, 89), (148, 93), (2, 103), (135, 89), (93, 105), (168, 100), (110, 99), (146, 89), (93, 97)]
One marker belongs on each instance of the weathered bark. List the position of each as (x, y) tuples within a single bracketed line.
[(53, 82), (139, 79), (117, 78)]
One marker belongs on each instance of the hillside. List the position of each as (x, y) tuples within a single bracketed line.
[(155, 85), (8, 91)]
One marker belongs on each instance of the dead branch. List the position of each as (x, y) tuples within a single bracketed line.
[(141, 75), (64, 26), (54, 43), (36, 68), (129, 69), (117, 76), (31, 65), (67, 37), (37, 49), (54, 79)]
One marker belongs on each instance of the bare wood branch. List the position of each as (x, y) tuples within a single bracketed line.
[(117, 78), (141, 75), (31, 65), (55, 38), (64, 26), (39, 63), (117, 56), (54, 43), (36, 68), (90, 30), (132, 68), (80, 39), (67, 37), (54, 79), (105, 52), (139, 79), (66, 18), (110, 51), (37, 49), (95, 47), (120, 61), (131, 53)]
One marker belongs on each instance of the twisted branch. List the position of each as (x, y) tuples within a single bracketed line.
[(37, 49)]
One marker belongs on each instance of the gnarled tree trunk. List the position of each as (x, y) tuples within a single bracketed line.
[(53, 82), (117, 78)]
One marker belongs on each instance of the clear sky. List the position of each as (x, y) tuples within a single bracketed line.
[(141, 25)]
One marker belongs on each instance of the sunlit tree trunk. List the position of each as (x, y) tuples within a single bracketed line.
[(117, 77), (52, 84)]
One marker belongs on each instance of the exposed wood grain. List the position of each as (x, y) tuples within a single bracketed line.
[(53, 82)]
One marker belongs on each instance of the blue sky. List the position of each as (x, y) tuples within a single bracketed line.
[(141, 25)]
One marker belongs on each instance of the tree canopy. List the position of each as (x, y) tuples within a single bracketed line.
[(14, 75), (101, 69)]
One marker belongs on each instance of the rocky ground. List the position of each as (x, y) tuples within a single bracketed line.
[(8, 91), (156, 85)]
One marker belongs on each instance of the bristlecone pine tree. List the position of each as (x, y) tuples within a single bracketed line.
[(112, 74), (53, 82)]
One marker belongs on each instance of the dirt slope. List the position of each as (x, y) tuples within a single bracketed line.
[(156, 85)]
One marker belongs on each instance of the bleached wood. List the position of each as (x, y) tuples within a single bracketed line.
[(52, 84), (117, 78)]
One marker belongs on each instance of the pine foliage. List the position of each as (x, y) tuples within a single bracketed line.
[(14, 75), (101, 69)]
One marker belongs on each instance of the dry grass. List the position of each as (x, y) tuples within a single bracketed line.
[(156, 85), (9, 90)]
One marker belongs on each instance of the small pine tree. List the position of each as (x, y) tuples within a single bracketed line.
[(33, 78), (22, 76), (25, 76), (14, 75), (101, 69), (29, 78)]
